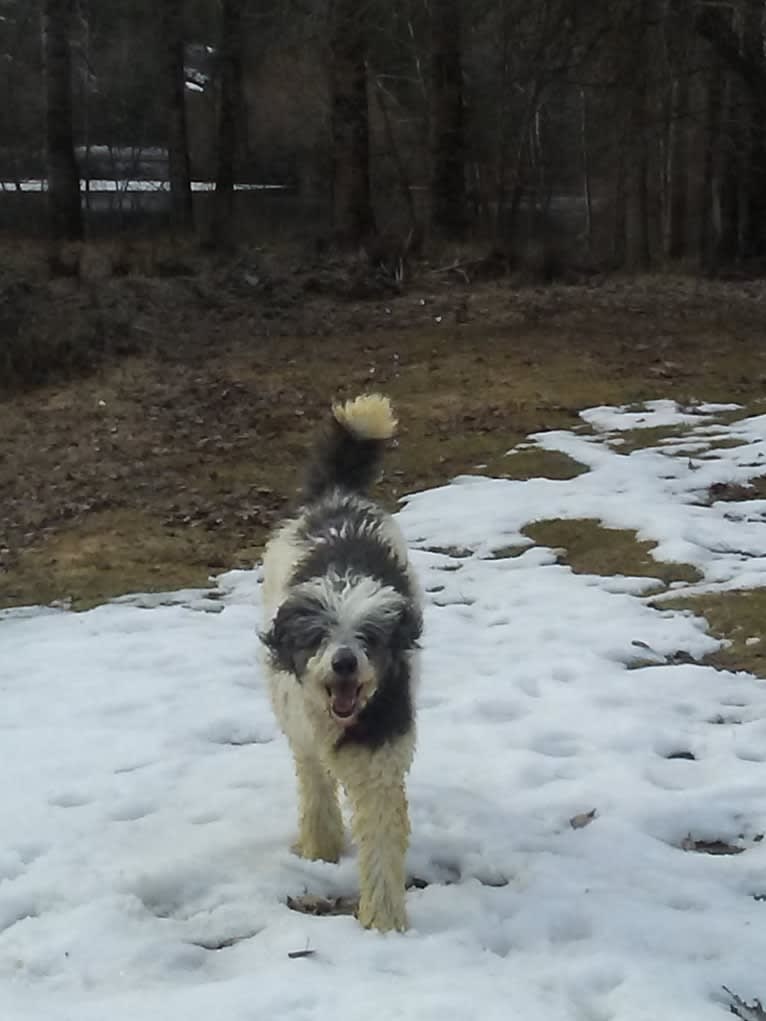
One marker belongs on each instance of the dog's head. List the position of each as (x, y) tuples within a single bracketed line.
[(339, 636)]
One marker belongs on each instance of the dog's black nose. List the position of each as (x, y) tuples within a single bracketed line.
[(344, 662)]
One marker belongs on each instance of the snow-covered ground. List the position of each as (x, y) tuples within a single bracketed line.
[(148, 802)]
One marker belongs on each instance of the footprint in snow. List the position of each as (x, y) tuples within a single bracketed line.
[(555, 745), (498, 710), (570, 927), (132, 811), (69, 799), (15, 908)]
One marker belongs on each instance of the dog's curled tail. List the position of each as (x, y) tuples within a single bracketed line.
[(349, 454)]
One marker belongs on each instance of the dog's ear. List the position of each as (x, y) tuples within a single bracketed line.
[(295, 634), (409, 628), (277, 641)]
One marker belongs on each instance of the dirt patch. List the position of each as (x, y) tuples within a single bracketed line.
[(346, 904), (755, 489), (539, 463), (506, 552), (167, 465), (710, 846), (310, 904), (590, 548), (738, 617), (627, 441), (119, 551), (727, 443)]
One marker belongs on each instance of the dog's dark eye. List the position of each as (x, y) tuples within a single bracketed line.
[(371, 639), (310, 641)]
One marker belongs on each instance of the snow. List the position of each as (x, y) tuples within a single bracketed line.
[(148, 801), (661, 492), (127, 185), (651, 415)]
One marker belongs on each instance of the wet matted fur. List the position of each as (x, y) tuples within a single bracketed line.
[(342, 623)]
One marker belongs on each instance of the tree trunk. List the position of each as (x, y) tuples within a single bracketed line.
[(752, 124), (638, 253), (755, 217), (709, 218), (65, 213), (396, 158), (448, 190), (353, 217), (743, 53), (619, 230), (586, 172), (179, 170), (229, 119), (678, 169), (727, 172), (676, 183)]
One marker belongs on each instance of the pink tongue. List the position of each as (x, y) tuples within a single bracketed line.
[(343, 705)]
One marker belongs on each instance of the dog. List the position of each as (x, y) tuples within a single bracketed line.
[(343, 619)]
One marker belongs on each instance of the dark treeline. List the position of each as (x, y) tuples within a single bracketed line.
[(633, 129)]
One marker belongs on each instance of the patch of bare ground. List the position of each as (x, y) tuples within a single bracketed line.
[(174, 454), (738, 617), (589, 547)]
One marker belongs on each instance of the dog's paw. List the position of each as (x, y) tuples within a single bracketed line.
[(390, 919), (312, 850)]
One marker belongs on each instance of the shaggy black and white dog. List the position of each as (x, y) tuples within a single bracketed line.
[(343, 618)]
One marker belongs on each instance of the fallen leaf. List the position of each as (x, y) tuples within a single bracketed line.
[(578, 822)]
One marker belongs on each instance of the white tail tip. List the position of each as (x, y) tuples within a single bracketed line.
[(370, 417)]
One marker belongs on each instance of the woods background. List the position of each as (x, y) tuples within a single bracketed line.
[(608, 133), (215, 214)]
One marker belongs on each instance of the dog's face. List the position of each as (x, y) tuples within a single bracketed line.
[(338, 637)]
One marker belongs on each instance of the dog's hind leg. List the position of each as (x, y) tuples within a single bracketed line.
[(320, 833), (381, 829)]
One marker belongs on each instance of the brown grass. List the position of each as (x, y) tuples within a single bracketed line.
[(739, 617), (588, 547), (162, 466)]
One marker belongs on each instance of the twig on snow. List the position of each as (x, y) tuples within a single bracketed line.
[(747, 1011)]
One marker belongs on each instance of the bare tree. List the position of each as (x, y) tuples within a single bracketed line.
[(737, 37), (448, 190), (587, 184), (677, 181), (647, 116), (179, 169), (638, 253), (65, 213), (353, 216), (229, 119), (707, 217)]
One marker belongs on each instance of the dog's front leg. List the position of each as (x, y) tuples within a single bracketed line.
[(321, 824), (381, 830)]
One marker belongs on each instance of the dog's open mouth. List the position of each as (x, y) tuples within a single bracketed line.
[(344, 705)]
